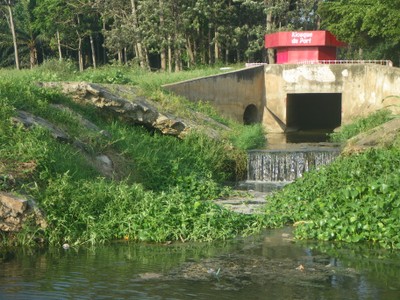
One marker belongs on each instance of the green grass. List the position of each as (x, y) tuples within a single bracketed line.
[(249, 137), (361, 125), (168, 184)]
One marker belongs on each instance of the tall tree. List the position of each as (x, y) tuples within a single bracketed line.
[(67, 23), (10, 20), (123, 28), (370, 25), (27, 33)]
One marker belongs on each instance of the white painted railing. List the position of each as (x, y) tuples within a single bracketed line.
[(348, 61), (334, 62), (255, 64)]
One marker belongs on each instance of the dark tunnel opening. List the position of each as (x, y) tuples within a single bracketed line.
[(250, 115), (310, 111)]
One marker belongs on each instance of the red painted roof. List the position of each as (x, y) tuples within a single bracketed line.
[(302, 39)]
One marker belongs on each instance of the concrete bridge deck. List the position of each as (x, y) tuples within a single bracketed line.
[(296, 96)]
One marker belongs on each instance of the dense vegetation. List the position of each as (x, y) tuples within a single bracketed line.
[(356, 198), (177, 34), (167, 183), (164, 187)]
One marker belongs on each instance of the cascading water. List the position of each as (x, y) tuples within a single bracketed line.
[(271, 169), (286, 165)]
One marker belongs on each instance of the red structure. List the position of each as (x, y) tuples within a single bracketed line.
[(298, 46)]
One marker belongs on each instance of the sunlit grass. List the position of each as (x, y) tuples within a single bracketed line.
[(167, 184)]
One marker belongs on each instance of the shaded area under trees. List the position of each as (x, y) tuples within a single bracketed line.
[(177, 34)]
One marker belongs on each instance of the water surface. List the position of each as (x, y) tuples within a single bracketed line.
[(267, 266)]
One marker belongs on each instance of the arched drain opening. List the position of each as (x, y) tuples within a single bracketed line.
[(250, 115)]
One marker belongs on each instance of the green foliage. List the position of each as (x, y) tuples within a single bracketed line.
[(95, 211), (138, 32), (162, 161), (361, 125), (249, 137), (166, 194), (354, 199), (115, 75), (365, 24), (55, 70)]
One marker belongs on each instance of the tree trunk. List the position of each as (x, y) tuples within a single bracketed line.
[(163, 54), (209, 47), (360, 53), (80, 54), (104, 48), (194, 51), (32, 54), (93, 51), (14, 36), (60, 57), (120, 56), (178, 59), (169, 55), (216, 47), (318, 17), (163, 57), (270, 52), (80, 51), (135, 25), (190, 52)]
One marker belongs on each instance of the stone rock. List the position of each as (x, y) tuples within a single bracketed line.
[(105, 164), (29, 120), (136, 111), (16, 211)]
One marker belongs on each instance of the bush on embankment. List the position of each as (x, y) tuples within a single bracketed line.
[(356, 198), (166, 193)]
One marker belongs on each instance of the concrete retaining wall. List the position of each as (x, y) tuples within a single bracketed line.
[(362, 88), (230, 93)]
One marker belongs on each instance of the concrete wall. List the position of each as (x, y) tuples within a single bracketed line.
[(231, 93), (362, 87)]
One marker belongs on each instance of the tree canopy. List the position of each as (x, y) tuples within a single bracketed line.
[(176, 34), (371, 27)]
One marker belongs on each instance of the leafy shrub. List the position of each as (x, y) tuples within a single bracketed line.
[(354, 199), (95, 211), (114, 75), (55, 70)]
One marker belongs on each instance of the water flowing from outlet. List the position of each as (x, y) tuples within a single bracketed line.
[(283, 166)]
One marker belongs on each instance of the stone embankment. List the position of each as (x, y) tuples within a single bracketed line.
[(139, 111), (17, 211)]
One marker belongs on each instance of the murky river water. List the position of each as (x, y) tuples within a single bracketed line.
[(267, 266)]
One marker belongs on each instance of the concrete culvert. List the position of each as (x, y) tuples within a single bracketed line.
[(250, 115), (307, 111)]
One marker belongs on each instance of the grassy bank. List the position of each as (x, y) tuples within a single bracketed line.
[(355, 199), (164, 188)]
